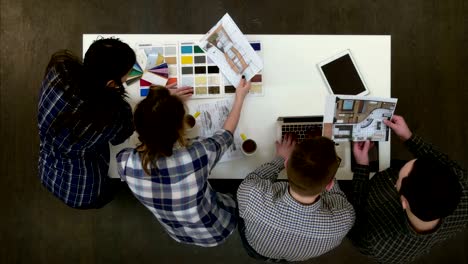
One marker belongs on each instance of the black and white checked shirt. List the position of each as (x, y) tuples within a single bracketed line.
[(382, 229), (279, 227)]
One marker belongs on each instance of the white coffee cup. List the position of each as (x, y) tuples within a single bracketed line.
[(249, 146)]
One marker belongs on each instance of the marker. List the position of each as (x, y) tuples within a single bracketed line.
[(243, 136), (196, 114)]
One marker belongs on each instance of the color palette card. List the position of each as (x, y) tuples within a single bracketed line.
[(230, 50), (160, 65), (186, 64), (199, 71)]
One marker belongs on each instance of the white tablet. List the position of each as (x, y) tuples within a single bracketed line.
[(341, 75)]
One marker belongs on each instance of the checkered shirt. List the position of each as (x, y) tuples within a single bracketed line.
[(177, 191), (382, 229), (74, 171), (279, 227)]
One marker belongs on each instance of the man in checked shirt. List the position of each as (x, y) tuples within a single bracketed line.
[(402, 213), (296, 220)]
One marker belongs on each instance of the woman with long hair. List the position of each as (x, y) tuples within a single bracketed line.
[(82, 108), (170, 175)]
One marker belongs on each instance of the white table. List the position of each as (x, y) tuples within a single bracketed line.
[(293, 87)]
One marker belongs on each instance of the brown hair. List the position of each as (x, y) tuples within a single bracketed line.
[(159, 122), (312, 165), (105, 60)]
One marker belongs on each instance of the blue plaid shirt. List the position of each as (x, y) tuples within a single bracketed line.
[(178, 193), (279, 227), (75, 172)]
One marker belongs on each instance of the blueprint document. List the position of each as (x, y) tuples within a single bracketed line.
[(211, 119), (231, 51), (357, 118)]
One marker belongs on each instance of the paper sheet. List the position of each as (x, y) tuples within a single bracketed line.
[(357, 118), (211, 119), (229, 49), (154, 79)]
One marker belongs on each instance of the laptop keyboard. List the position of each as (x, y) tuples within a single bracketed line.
[(302, 131)]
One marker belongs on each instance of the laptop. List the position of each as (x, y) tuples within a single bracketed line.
[(305, 127)]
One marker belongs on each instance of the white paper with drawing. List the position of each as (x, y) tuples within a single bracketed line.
[(357, 118), (230, 50), (211, 119)]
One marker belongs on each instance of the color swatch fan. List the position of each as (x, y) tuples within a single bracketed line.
[(150, 69)]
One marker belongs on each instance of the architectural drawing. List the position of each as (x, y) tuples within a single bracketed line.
[(212, 119), (229, 49), (357, 118), (220, 40)]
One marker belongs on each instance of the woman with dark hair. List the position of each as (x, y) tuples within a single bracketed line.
[(170, 175), (82, 108)]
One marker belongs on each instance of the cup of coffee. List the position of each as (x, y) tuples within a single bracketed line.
[(249, 147), (190, 120)]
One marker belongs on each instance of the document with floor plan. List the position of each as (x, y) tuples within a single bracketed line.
[(357, 118), (231, 51)]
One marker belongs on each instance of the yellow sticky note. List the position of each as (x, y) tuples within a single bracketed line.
[(187, 59)]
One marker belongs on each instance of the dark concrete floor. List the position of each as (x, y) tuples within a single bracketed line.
[(429, 64)]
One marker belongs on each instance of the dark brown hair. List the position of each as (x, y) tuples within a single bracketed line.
[(312, 165), (432, 189), (159, 122), (106, 60)]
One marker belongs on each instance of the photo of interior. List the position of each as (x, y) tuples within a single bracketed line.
[(220, 40), (360, 120), (357, 111)]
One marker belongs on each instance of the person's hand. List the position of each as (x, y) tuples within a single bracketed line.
[(286, 146), (184, 92), (399, 126), (243, 88), (234, 115), (361, 152)]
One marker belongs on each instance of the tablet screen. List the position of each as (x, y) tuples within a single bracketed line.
[(343, 77)]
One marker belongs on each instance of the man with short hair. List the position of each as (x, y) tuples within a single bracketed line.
[(402, 213), (304, 218)]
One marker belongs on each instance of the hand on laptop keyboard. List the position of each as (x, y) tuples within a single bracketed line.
[(302, 131)]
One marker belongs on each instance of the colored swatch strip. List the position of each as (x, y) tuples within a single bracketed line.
[(198, 71), (256, 87), (161, 67)]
